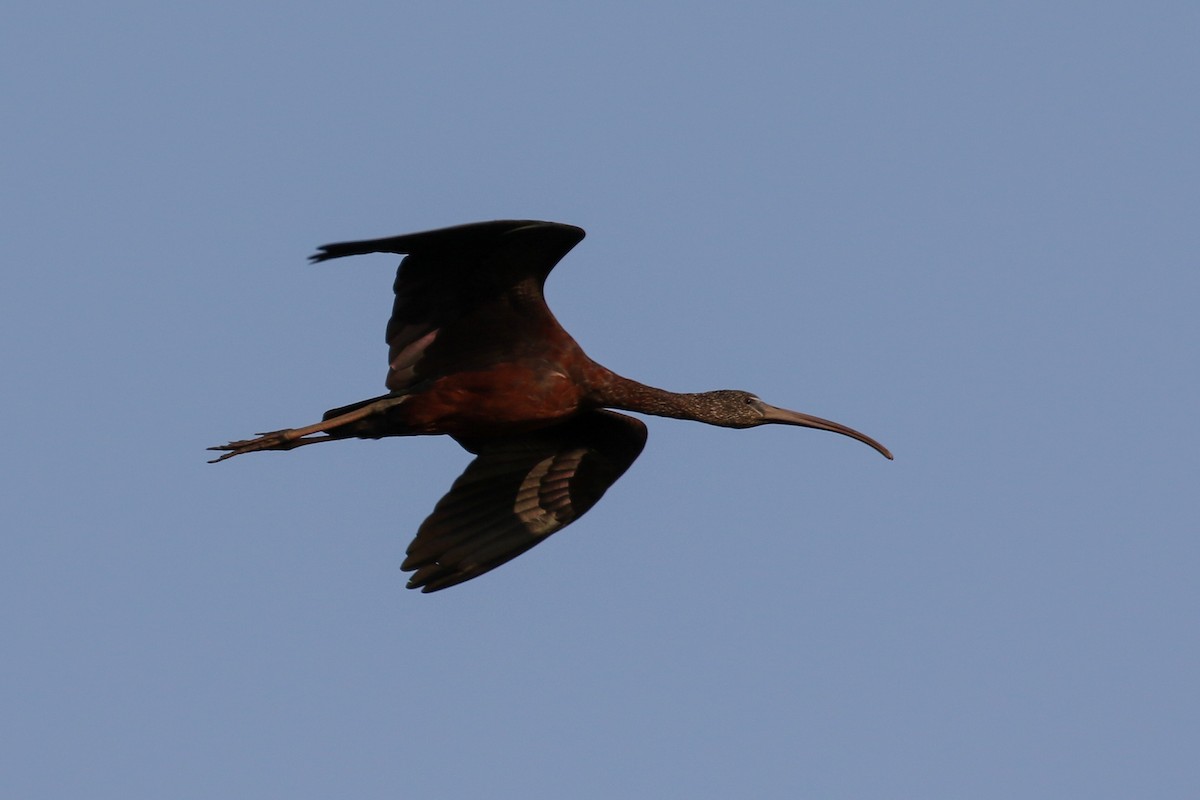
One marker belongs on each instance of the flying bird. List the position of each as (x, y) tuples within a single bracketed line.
[(474, 353)]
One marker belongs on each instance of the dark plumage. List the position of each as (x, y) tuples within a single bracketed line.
[(474, 352)]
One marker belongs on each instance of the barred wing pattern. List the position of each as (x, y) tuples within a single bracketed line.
[(517, 492)]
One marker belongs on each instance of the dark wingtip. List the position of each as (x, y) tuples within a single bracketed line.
[(328, 251), (453, 239), (429, 583)]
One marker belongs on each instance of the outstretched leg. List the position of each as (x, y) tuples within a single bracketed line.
[(326, 430)]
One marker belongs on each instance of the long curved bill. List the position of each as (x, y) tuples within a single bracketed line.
[(783, 416)]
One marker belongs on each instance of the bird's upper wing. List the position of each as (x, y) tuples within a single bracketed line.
[(517, 492), (466, 296)]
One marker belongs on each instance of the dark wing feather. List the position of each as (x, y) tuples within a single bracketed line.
[(466, 296), (517, 492)]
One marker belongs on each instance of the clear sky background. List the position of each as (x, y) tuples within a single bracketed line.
[(969, 230)]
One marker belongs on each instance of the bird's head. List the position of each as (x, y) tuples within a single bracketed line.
[(733, 408)]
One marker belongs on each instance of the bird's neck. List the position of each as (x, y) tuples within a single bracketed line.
[(611, 390)]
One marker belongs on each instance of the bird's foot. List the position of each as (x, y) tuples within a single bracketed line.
[(327, 430), (285, 439)]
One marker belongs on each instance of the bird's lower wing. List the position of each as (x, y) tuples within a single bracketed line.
[(517, 492)]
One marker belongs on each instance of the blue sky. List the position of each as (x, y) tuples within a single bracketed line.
[(969, 231)]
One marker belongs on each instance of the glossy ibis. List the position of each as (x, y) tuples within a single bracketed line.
[(474, 353)]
